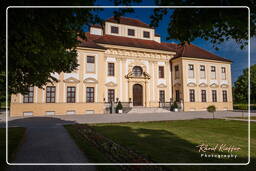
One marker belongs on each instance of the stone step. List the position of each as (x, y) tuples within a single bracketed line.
[(148, 110)]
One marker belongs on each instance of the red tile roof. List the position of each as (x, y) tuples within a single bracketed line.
[(89, 41), (128, 21), (132, 42), (193, 51)]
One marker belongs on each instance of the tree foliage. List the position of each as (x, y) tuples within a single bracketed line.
[(42, 41), (212, 24), (241, 86)]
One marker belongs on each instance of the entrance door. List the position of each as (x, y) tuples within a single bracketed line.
[(137, 95)]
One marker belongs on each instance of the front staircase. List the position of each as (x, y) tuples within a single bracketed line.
[(148, 110)]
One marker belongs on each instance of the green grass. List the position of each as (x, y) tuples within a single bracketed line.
[(15, 136), (252, 117), (93, 154), (176, 141)]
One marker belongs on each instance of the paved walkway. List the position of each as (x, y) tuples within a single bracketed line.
[(47, 141)]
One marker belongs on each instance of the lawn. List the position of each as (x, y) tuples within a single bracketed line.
[(14, 140), (252, 117), (176, 141)]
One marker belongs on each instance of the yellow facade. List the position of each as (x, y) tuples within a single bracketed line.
[(125, 59)]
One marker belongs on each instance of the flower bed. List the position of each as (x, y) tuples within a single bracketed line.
[(115, 152)]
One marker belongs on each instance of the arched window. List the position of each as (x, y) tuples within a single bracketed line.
[(137, 71)]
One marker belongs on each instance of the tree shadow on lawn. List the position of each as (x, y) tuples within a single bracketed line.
[(162, 146)]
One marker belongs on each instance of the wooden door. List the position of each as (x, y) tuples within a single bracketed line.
[(137, 95)]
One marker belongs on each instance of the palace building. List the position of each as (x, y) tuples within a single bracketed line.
[(126, 61)]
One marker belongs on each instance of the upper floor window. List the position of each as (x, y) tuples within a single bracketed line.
[(202, 71), (90, 94), (114, 29), (50, 94), (177, 72), (131, 32), (214, 95), (111, 95), (146, 34), (192, 95), (137, 71), (162, 96), (191, 71), (224, 95), (213, 72), (161, 71), (111, 69), (29, 96), (90, 65), (203, 95), (223, 73), (71, 94)]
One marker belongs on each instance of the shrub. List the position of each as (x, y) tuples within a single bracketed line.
[(119, 106), (174, 105), (211, 109)]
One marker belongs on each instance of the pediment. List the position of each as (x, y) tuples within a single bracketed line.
[(161, 85), (71, 80), (224, 86), (214, 85), (111, 84), (90, 80), (202, 85), (144, 75), (177, 85), (191, 84)]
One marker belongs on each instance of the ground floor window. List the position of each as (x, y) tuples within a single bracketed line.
[(192, 95), (90, 94), (111, 95), (214, 95), (177, 92), (29, 96), (162, 96), (203, 95), (224, 94), (71, 94), (50, 94)]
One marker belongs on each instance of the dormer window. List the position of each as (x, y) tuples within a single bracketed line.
[(131, 32), (146, 34), (114, 29)]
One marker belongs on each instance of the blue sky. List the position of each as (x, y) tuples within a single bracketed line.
[(229, 49)]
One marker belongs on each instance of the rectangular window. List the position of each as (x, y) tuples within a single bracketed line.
[(111, 95), (161, 71), (90, 64), (192, 95), (177, 72), (214, 96), (131, 32), (90, 94), (162, 96), (203, 95), (50, 94), (146, 34), (114, 29), (177, 92), (224, 94), (111, 69), (29, 96), (223, 73), (190, 71), (202, 71), (71, 94), (213, 72)]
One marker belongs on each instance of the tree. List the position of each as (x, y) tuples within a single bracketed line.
[(212, 24), (211, 109), (42, 41), (241, 86)]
